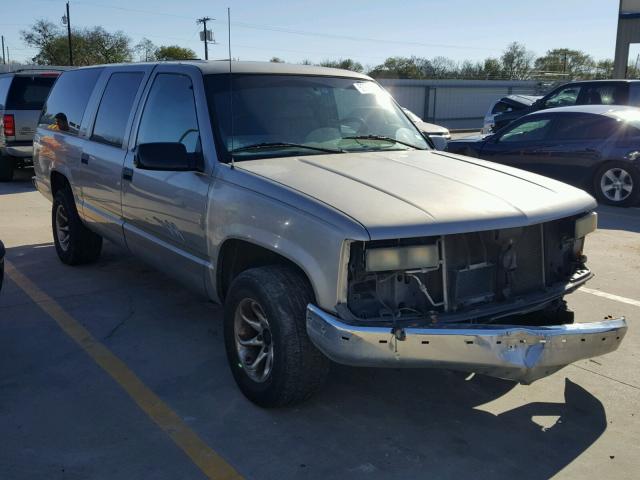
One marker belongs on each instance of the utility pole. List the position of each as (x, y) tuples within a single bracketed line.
[(66, 19), (3, 61), (205, 35)]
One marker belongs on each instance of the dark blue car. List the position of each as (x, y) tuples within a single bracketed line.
[(595, 147)]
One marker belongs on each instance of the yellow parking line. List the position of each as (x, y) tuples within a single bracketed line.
[(211, 464)]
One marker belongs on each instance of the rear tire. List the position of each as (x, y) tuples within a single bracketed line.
[(617, 183), (7, 165), (75, 243), (270, 355)]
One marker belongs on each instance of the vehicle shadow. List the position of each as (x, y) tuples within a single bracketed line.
[(21, 182), (378, 423), (615, 218)]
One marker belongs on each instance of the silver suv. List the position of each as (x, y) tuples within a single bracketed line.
[(306, 201), (22, 95)]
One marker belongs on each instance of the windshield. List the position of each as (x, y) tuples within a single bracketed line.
[(280, 115)]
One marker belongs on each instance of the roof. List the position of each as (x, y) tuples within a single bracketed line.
[(616, 111), (209, 67), (611, 80)]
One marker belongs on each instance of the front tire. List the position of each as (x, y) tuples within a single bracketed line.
[(270, 355), (617, 183), (75, 243)]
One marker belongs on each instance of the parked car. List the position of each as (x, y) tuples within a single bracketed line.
[(591, 92), (595, 147), (22, 95), (2, 253), (439, 135), (507, 109), (316, 211)]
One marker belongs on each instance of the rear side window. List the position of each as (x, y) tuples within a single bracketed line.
[(585, 127), (29, 93), (5, 83), (605, 94), (65, 106), (115, 107)]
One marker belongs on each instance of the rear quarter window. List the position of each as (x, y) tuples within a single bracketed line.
[(29, 93), (64, 109)]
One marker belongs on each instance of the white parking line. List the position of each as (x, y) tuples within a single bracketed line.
[(610, 296)]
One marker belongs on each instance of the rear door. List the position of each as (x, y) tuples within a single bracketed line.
[(25, 100), (104, 153), (164, 210)]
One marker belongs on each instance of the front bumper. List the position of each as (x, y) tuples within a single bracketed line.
[(523, 354)]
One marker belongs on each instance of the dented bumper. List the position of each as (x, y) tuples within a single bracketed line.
[(519, 353)]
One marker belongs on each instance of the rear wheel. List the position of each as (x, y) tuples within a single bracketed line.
[(75, 243), (271, 357), (617, 183), (7, 165)]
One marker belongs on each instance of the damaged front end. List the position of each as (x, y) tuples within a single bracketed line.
[(489, 302)]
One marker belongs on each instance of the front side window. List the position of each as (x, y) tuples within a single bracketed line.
[(64, 109), (531, 130), (565, 97), (170, 113), (115, 107), (285, 115)]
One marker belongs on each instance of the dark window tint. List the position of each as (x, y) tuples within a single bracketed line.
[(65, 106), (5, 83), (605, 94), (115, 107), (587, 127), (530, 131), (29, 93), (170, 113), (634, 95), (500, 107)]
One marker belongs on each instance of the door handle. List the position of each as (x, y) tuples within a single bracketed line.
[(84, 158), (127, 173)]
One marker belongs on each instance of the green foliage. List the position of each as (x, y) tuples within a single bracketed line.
[(174, 52), (563, 62), (90, 45), (276, 60), (345, 64)]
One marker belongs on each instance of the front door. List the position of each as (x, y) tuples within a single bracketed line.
[(164, 210)]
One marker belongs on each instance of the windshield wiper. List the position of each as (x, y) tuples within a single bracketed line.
[(260, 146), (381, 138)]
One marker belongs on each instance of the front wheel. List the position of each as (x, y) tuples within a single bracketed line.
[(271, 357), (617, 183)]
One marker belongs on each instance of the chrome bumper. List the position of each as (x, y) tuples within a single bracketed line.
[(523, 354)]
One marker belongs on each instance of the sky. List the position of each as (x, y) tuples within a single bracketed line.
[(367, 31)]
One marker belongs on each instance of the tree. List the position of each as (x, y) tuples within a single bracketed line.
[(517, 62), (276, 60), (146, 49), (492, 69), (566, 63), (346, 64), (90, 45), (398, 67), (174, 52)]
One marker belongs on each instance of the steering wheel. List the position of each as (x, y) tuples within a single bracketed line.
[(361, 123), (191, 130)]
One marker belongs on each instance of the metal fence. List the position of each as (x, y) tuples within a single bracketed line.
[(456, 104)]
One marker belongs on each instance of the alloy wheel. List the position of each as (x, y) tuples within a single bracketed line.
[(253, 339), (616, 184)]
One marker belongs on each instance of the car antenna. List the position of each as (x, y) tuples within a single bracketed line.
[(230, 82)]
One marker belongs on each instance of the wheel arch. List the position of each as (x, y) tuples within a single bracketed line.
[(237, 255)]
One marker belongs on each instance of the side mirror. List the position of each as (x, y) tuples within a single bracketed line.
[(439, 142), (165, 156)]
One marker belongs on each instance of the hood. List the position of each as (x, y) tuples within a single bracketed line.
[(520, 101), (421, 193), (431, 128)]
